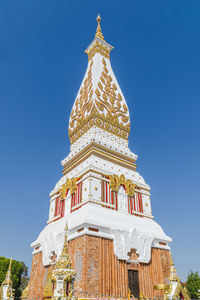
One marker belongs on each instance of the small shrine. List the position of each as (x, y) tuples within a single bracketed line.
[(177, 289), (7, 291), (174, 289), (63, 276), (60, 280)]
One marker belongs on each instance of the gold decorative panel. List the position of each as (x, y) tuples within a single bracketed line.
[(102, 108), (69, 184), (116, 181)]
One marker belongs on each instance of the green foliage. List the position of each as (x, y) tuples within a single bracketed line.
[(193, 284), (24, 278), (18, 272)]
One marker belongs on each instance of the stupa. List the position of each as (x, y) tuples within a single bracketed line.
[(115, 245), (6, 289)]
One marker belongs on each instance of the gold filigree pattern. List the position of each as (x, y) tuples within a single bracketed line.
[(83, 104), (69, 184), (98, 48), (116, 181), (108, 100), (104, 109)]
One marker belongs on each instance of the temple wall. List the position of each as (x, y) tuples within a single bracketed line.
[(157, 271), (37, 277), (98, 271)]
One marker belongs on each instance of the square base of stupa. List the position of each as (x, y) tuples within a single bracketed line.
[(99, 274)]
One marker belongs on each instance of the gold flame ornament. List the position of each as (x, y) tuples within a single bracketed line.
[(98, 31)]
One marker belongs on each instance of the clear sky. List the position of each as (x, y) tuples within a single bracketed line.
[(156, 60)]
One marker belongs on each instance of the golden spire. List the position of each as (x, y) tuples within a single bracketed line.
[(7, 280), (10, 264), (98, 31), (171, 260), (65, 246), (173, 276), (64, 261)]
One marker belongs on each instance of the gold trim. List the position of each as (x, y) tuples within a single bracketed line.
[(99, 154), (106, 152)]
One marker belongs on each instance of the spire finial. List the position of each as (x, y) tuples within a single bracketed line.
[(98, 19), (9, 268), (171, 260), (65, 241), (98, 31)]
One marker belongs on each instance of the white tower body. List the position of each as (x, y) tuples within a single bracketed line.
[(97, 152)]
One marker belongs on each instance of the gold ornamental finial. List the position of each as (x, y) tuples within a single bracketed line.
[(10, 264), (171, 260), (98, 31), (98, 19), (65, 247)]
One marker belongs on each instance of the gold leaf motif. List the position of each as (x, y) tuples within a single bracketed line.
[(116, 181), (71, 185), (87, 110), (98, 48), (115, 88)]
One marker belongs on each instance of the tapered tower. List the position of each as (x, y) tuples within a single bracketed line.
[(113, 241), (6, 289)]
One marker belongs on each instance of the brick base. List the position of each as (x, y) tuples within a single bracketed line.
[(37, 277), (98, 271)]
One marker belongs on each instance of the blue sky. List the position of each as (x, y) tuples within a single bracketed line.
[(156, 60)]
